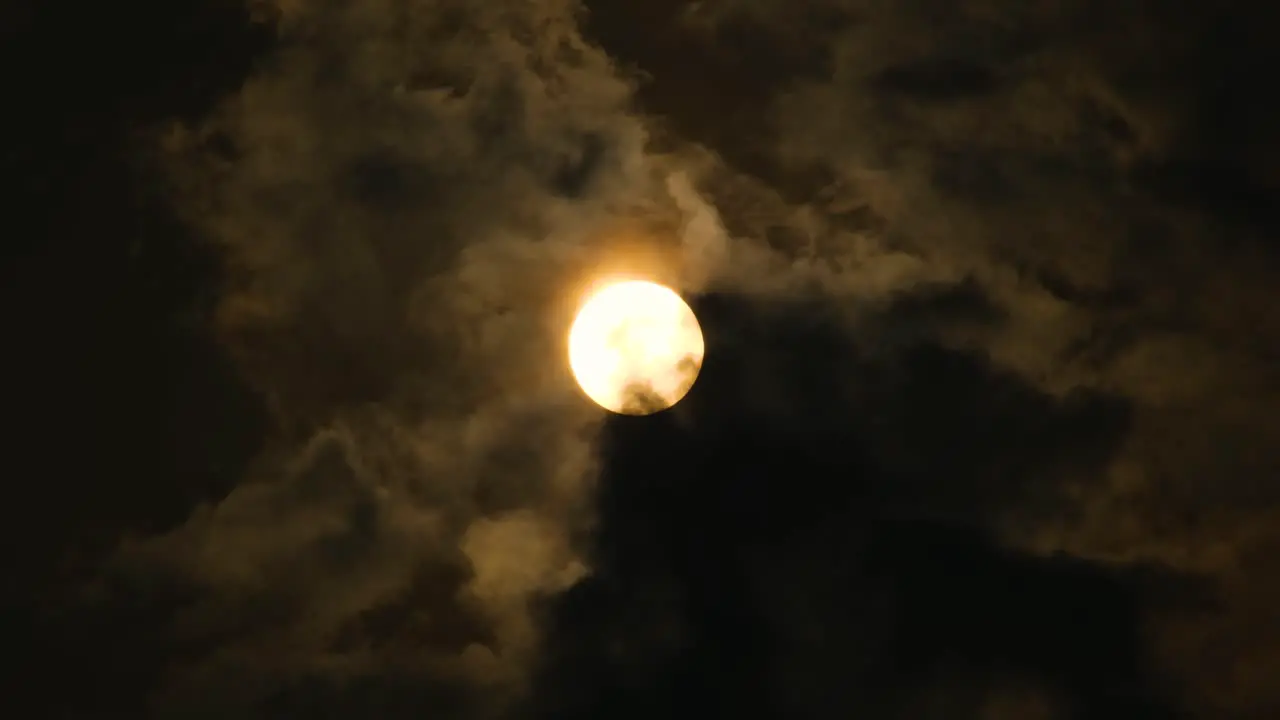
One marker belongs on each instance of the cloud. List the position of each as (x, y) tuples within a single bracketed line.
[(1030, 154), (410, 196)]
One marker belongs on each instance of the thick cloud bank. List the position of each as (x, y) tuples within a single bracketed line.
[(411, 195)]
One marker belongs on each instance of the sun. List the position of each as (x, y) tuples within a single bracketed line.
[(635, 347)]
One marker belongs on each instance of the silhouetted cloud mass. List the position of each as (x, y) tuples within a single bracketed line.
[(984, 427)]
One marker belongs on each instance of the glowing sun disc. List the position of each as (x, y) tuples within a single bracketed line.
[(635, 347)]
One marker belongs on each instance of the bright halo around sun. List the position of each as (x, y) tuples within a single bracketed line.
[(635, 347)]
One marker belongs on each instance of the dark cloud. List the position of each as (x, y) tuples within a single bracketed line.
[(1032, 155), (983, 427), (815, 581)]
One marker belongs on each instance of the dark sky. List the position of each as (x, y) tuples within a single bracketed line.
[(986, 426)]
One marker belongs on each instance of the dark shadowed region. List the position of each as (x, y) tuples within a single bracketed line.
[(127, 413), (789, 565)]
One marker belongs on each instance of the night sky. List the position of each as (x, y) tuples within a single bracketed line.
[(987, 425)]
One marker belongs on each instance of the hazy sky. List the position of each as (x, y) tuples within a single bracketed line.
[(985, 428)]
